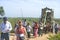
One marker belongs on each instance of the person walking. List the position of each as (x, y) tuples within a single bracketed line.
[(40, 29), (56, 28), (36, 26), (29, 28), (24, 23), (6, 27), (21, 31), (33, 23)]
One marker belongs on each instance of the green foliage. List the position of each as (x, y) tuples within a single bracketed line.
[(57, 20), (55, 37), (2, 11)]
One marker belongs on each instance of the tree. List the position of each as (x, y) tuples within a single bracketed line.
[(2, 11)]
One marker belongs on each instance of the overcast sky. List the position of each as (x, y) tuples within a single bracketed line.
[(29, 8)]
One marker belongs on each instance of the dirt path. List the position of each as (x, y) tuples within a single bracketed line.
[(44, 37)]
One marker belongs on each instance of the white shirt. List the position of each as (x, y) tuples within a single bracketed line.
[(29, 28), (41, 27), (24, 23), (33, 24), (4, 27)]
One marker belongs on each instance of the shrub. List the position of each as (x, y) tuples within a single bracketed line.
[(54, 37)]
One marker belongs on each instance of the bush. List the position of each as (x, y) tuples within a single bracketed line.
[(55, 37)]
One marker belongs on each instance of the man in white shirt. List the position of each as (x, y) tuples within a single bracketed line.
[(24, 23), (29, 28), (33, 23), (5, 29)]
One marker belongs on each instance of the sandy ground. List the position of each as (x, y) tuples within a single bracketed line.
[(44, 37)]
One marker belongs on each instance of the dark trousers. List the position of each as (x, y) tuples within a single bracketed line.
[(5, 36), (21, 38), (56, 30), (28, 34), (40, 32)]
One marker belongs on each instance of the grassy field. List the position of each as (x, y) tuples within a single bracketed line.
[(14, 20)]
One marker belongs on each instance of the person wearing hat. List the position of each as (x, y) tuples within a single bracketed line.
[(6, 27)]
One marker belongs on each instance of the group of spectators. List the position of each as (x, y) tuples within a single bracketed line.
[(22, 29)]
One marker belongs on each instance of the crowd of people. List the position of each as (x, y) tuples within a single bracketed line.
[(23, 29)]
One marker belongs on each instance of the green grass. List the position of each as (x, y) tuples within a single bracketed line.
[(54, 37)]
